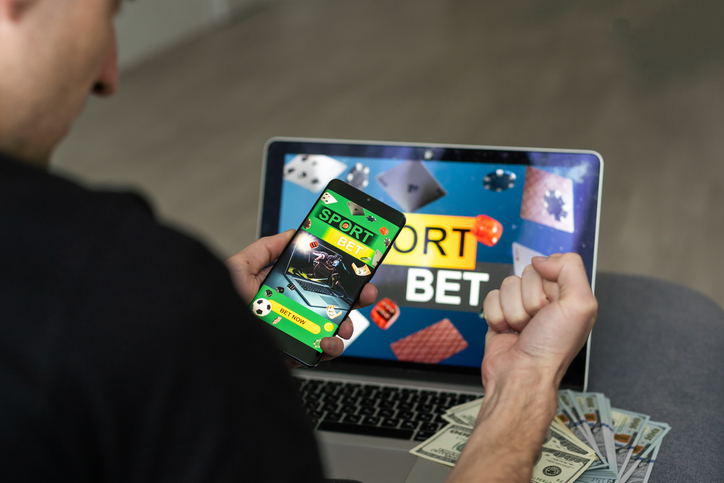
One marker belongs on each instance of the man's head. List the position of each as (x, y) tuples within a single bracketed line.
[(53, 53)]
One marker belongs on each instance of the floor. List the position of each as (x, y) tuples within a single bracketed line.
[(640, 81)]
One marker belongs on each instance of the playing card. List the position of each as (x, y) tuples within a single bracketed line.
[(328, 199), (431, 344), (355, 209), (411, 185), (522, 258), (312, 171), (548, 199), (376, 259), (360, 324)]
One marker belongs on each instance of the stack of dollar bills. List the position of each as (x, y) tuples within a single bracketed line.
[(588, 441)]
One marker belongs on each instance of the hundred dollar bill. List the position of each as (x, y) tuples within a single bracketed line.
[(465, 405), (557, 423), (592, 413), (605, 405), (564, 416), (596, 411), (572, 416), (652, 434), (559, 441), (598, 476), (554, 466), (584, 478), (464, 414), (642, 472), (627, 434), (444, 446)]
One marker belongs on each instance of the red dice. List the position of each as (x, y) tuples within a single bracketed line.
[(314, 245), (384, 231), (385, 313), (487, 230)]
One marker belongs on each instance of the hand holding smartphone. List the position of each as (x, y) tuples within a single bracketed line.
[(318, 277)]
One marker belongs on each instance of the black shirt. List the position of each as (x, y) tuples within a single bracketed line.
[(125, 352)]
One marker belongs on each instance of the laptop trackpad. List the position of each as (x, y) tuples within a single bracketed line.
[(365, 463), (330, 300)]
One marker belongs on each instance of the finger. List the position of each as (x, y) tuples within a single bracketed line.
[(366, 297), (332, 347), (511, 300), (493, 312), (534, 295), (552, 290), (346, 329)]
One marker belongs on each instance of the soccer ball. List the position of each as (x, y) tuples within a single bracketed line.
[(261, 307)]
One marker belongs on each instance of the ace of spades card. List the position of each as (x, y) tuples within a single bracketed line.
[(312, 171), (411, 185)]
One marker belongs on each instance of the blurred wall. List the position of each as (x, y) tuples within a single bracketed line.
[(148, 27)]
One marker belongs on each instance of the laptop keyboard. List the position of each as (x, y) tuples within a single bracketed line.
[(313, 287), (386, 411)]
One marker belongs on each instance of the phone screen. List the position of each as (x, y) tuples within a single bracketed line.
[(317, 279)]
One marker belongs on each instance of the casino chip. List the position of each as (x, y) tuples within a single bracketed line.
[(499, 180), (554, 204), (371, 219), (359, 176)]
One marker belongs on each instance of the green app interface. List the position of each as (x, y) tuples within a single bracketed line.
[(318, 277)]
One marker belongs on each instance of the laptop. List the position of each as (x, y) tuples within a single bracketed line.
[(475, 215)]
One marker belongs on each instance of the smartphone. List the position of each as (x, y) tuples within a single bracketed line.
[(311, 288)]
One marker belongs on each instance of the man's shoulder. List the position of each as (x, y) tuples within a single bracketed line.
[(42, 200), (68, 243)]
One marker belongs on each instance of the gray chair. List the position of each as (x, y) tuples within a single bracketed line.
[(658, 348)]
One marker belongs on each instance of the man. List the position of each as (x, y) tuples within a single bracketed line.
[(126, 353)]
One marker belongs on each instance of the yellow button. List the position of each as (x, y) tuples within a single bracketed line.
[(329, 327), (294, 317)]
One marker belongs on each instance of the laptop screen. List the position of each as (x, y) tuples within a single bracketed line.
[(475, 215)]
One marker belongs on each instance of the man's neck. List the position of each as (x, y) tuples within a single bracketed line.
[(25, 155)]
